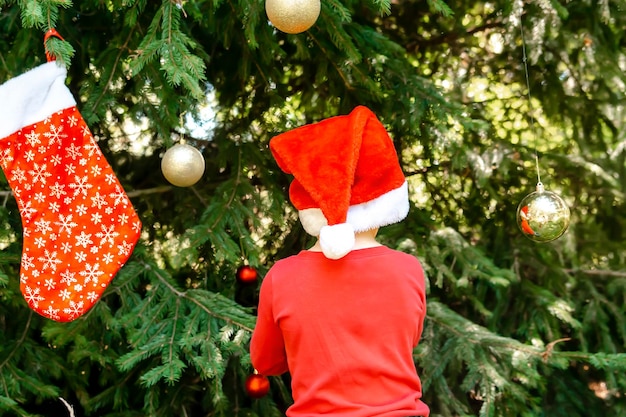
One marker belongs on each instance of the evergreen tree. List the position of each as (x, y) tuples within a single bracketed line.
[(514, 328)]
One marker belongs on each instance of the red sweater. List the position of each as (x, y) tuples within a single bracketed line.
[(346, 330)]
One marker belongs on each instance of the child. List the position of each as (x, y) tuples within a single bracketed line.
[(344, 316)]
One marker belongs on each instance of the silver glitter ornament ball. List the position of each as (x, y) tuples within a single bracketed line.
[(542, 215), (182, 165), (293, 16)]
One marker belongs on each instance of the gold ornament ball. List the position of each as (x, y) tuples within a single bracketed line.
[(182, 165), (293, 16), (543, 216)]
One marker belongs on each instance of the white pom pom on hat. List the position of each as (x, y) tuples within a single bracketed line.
[(347, 178), (337, 240)]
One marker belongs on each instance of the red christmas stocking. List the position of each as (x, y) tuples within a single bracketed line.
[(78, 224)]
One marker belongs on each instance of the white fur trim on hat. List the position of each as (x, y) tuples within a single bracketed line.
[(337, 240), (386, 209), (33, 96)]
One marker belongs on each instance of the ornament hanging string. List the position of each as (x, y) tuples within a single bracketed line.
[(542, 215), (530, 103)]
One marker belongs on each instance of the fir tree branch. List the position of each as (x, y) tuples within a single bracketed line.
[(19, 342), (197, 194), (154, 190), (183, 294), (451, 37), (5, 386), (464, 329), (115, 64), (601, 272), (172, 338), (333, 63), (232, 195), (550, 347)]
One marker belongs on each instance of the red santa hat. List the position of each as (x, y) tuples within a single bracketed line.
[(347, 178)]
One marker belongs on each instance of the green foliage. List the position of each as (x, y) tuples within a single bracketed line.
[(514, 328), (166, 40), (439, 6)]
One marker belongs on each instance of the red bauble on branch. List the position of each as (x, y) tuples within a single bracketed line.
[(247, 274), (257, 385)]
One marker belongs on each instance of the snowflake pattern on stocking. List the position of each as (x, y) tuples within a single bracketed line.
[(78, 224)]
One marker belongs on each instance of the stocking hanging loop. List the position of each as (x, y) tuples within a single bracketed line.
[(50, 33)]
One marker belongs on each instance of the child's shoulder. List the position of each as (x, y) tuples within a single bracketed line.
[(288, 262), (395, 253)]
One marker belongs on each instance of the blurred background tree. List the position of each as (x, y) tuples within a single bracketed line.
[(514, 328)]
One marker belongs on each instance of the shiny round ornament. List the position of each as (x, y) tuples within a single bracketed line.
[(542, 215), (293, 16), (182, 165), (247, 274), (257, 385)]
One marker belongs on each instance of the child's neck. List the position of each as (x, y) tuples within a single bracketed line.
[(362, 240)]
